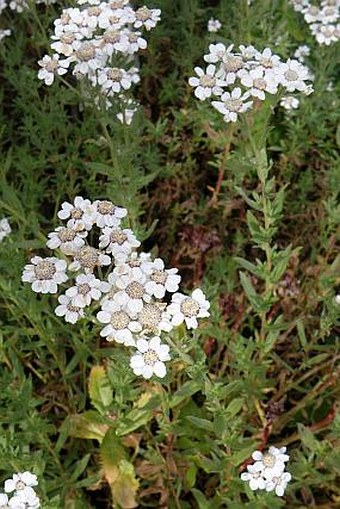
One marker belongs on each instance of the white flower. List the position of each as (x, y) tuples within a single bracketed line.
[(66, 42), (67, 239), (233, 104), (214, 25), (14, 503), (325, 34), (5, 228), (153, 318), (278, 483), (88, 58), (206, 84), (114, 79), (126, 116), (271, 463), (45, 274), (254, 477), (4, 32), (188, 309), (259, 81), (216, 53), (161, 280), (120, 326), (301, 52), (337, 299), (299, 5), (150, 358), (311, 14), (88, 258), (147, 18), (131, 292), (81, 214), (131, 42), (289, 102), (249, 52), (138, 264), (87, 288), (20, 482), (120, 243), (329, 14), (51, 66), (108, 214), (231, 66), (267, 59), (292, 75), (67, 309)]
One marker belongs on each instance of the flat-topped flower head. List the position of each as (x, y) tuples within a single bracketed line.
[(206, 84), (278, 483), (120, 327), (45, 274), (87, 258), (80, 214), (232, 104), (118, 242), (254, 477), (150, 357), (154, 319), (86, 289), (271, 463), (108, 214), (162, 280), (68, 240), (68, 310), (188, 309)]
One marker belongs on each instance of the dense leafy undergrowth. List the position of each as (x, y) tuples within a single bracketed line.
[(247, 211)]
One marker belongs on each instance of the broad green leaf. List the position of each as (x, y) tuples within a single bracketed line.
[(90, 425), (118, 472), (99, 389)]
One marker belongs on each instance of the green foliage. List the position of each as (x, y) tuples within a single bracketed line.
[(263, 370)]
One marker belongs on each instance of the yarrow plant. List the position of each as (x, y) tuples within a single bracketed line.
[(268, 472), (19, 492), (239, 78), (99, 41), (323, 19), (132, 289)]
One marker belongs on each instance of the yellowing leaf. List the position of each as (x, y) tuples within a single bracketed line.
[(99, 389)]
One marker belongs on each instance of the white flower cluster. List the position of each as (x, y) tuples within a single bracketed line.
[(239, 77), (323, 19), (5, 228), (21, 490), (99, 41), (132, 293), (268, 471)]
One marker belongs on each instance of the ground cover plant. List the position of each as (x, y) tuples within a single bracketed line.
[(169, 254)]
